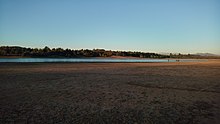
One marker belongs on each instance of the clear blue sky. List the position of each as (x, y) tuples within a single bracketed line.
[(185, 26)]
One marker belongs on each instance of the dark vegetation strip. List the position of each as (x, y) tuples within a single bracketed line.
[(69, 53)]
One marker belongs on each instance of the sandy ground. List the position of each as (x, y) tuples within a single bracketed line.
[(151, 93)]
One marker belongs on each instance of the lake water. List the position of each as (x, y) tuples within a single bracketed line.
[(91, 60)]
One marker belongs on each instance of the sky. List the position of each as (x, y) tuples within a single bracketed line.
[(177, 26)]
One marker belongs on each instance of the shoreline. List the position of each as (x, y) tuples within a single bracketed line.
[(112, 57), (99, 60)]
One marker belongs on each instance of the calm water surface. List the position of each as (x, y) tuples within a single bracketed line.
[(79, 60)]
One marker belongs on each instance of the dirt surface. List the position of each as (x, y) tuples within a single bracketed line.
[(151, 93)]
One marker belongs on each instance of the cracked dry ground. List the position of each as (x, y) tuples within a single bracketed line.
[(151, 93)]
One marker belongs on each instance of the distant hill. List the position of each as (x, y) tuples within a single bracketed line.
[(206, 54), (196, 54)]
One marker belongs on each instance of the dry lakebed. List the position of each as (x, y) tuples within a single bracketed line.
[(148, 93)]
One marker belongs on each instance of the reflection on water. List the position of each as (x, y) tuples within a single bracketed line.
[(91, 60)]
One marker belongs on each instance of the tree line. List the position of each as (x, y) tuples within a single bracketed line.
[(69, 53), (60, 52)]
